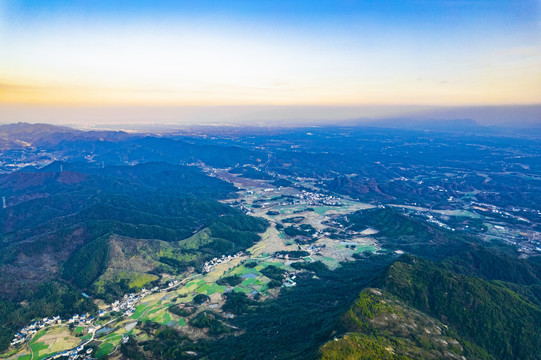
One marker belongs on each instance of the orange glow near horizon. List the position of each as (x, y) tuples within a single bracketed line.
[(525, 91)]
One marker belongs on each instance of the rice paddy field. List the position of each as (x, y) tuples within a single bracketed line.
[(48, 342)]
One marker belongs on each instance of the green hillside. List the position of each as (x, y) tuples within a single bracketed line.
[(426, 312), (381, 327), (483, 312)]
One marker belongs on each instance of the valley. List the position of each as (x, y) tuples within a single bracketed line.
[(270, 180), (249, 247), (275, 249)]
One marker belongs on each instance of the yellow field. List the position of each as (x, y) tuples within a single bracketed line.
[(58, 339)]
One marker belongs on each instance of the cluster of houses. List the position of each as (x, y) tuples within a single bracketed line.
[(209, 265), (303, 198), (281, 256), (27, 332), (315, 248), (494, 209), (289, 280), (129, 301), (83, 319), (126, 305), (311, 198), (433, 220), (78, 353), (172, 284), (243, 208)]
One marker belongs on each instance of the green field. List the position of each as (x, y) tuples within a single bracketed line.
[(39, 347), (330, 262), (251, 282), (37, 336), (242, 290), (112, 337), (139, 310), (365, 248), (277, 264), (214, 288), (163, 318), (166, 319), (194, 284), (321, 210), (202, 289), (154, 310), (104, 350), (241, 270)]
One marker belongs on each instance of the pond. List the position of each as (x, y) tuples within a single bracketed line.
[(249, 276), (104, 330), (349, 243)]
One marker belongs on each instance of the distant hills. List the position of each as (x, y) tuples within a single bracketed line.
[(30, 132), (454, 125), (21, 135)]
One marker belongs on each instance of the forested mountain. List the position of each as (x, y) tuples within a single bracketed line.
[(64, 220), (379, 326), (424, 312), (482, 312), (483, 294)]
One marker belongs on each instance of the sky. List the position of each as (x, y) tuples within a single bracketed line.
[(204, 60)]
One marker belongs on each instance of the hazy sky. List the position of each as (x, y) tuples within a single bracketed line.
[(337, 53)]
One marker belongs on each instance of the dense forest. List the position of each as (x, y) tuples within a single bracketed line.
[(292, 326), (378, 326), (73, 217), (476, 309), (485, 313), (483, 292)]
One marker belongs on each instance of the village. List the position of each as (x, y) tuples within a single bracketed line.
[(314, 235), (311, 198), (209, 265), (89, 324)]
